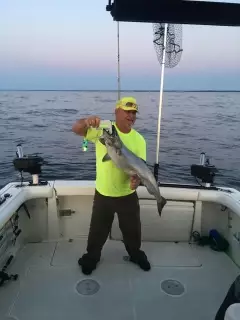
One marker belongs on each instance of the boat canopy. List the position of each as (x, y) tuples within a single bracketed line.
[(176, 11)]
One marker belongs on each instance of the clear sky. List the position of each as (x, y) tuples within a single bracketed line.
[(72, 44)]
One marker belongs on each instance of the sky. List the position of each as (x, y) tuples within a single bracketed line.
[(72, 45)]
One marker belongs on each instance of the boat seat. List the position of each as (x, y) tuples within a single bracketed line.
[(233, 312)]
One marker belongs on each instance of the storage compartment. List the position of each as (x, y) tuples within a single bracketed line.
[(175, 224)]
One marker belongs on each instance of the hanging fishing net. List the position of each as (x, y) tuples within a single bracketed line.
[(173, 43)]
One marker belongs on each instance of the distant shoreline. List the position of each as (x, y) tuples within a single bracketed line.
[(98, 90)]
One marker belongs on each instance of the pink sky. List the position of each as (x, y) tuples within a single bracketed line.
[(65, 37)]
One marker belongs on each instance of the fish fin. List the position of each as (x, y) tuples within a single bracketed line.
[(106, 158), (102, 141), (160, 205), (119, 152)]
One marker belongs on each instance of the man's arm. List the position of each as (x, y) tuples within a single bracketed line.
[(80, 127), (142, 152)]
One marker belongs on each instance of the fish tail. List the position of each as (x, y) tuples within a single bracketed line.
[(161, 204)]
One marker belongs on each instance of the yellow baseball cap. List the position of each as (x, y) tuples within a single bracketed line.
[(127, 103)]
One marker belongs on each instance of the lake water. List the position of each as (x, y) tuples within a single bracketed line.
[(192, 122)]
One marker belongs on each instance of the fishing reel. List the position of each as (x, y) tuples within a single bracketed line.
[(204, 171), (31, 164)]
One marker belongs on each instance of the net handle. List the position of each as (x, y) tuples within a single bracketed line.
[(156, 166)]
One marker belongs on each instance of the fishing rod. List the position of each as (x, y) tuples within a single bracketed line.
[(118, 62), (106, 124)]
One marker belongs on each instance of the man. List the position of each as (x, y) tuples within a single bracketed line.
[(115, 190)]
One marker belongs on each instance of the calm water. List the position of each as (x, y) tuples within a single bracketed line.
[(191, 123)]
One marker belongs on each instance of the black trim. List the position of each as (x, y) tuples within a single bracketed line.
[(187, 186), (30, 184), (176, 11)]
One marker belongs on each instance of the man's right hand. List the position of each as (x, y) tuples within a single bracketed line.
[(92, 121), (81, 126)]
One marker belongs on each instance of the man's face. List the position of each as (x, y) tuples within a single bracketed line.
[(126, 118)]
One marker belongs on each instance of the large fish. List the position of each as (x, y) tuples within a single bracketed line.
[(130, 164)]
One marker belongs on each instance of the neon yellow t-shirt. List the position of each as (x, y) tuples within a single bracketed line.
[(110, 180)]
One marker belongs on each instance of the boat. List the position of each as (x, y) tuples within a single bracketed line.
[(193, 247)]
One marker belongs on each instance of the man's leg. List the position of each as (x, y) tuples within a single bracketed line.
[(100, 226), (128, 211)]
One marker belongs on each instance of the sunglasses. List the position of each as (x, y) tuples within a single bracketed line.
[(130, 105)]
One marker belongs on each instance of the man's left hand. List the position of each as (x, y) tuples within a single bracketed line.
[(134, 182)]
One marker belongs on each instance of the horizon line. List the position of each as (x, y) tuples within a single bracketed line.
[(110, 90)]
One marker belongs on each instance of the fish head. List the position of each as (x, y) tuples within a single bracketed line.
[(111, 139)]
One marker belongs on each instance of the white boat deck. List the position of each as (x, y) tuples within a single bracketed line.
[(49, 274)]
